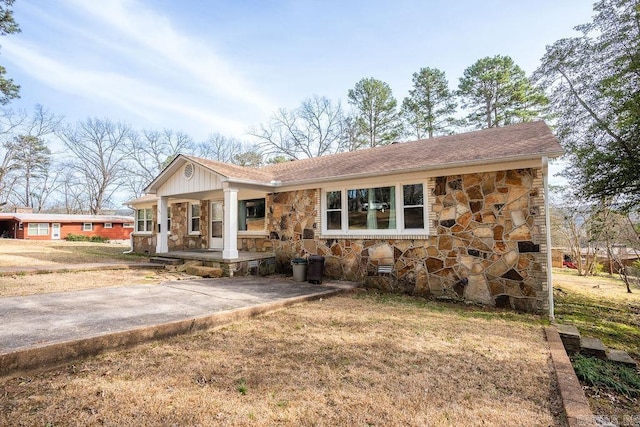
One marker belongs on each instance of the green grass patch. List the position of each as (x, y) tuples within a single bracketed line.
[(616, 324), (608, 375)]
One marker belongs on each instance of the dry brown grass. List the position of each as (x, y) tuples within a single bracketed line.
[(29, 253), (342, 361), (30, 284)]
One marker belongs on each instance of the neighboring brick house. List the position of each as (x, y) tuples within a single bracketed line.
[(42, 226), (461, 215)]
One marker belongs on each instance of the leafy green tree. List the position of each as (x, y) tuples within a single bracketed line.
[(375, 111), (8, 89), (497, 92), (430, 106), (593, 82)]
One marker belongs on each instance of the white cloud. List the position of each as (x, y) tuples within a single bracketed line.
[(122, 56), (154, 34)]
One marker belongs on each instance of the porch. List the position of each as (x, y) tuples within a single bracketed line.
[(245, 264)]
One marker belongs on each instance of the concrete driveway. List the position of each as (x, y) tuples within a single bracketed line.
[(50, 328)]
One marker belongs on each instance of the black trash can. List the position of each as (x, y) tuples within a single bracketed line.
[(315, 268)]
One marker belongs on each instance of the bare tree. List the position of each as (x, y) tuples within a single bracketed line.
[(99, 148), (148, 152), (311, 130)]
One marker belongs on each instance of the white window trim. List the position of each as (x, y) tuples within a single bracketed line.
[(136, 221), (38, 233), (128, 225), (84, 226), (398, 231), (191, 232), (108, 225)]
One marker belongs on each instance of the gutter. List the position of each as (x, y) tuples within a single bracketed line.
[(444, 166)]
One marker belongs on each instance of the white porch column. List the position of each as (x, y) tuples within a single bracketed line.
[(162, 237), (230, 249)]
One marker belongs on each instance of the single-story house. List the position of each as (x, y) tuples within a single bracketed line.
[(460, 216), (43, 226)]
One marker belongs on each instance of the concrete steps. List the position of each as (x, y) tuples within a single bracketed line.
[(587, 346), (165, 261)]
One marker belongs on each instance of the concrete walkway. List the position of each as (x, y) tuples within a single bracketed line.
[(46, 329), (41, 269)]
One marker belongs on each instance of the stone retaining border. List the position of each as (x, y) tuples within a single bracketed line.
[(574, 401), (49, 356)]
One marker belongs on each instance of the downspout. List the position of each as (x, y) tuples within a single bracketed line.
[(130, 251), (547, 218)]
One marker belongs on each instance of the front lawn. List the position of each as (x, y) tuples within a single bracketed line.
[(348, 360)]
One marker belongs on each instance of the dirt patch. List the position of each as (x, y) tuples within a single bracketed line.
[(25, 253), (341, 361)]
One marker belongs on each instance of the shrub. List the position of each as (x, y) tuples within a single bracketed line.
[(76, 238), (81, 238)]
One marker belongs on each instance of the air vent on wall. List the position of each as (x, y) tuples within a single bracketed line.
[(188, 170)]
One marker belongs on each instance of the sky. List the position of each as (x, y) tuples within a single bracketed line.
[(206, 66)]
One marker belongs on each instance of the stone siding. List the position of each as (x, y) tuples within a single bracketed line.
[(179, 239), (486, 242)]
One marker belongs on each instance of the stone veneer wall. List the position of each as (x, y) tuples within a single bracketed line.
[(179, 239), (486, 242)]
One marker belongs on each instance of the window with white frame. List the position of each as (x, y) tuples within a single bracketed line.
[(251, 215), (108, 225), (128, 225), (334, 210), (393, 209), (144, 220), (38, 229), (87, 226), (413, 201), (194, 218), (168, 219), (372, 208)]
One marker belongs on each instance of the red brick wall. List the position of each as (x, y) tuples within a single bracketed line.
[(117, 232)]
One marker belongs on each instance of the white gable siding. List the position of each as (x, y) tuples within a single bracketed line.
[(202, 180)]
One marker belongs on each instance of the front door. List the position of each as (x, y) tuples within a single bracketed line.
[(55, 231), (216, 235)]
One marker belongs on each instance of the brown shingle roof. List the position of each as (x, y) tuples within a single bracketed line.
[(521, 141), (230, 170)]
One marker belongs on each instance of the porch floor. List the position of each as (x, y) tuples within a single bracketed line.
[(216, 256)]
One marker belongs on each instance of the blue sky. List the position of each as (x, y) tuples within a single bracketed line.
[(221, 66)]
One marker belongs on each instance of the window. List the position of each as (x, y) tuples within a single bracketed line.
[(38, 229), (144, 220), (372, 208), (413, 201), (251, 215), (128, 225), (394, 209), (168, 219), (87, 226), (108, 225), (334, 210), (20, 226), (194, 218)]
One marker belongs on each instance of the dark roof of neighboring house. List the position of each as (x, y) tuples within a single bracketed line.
[(64, 218), (524, 141)]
